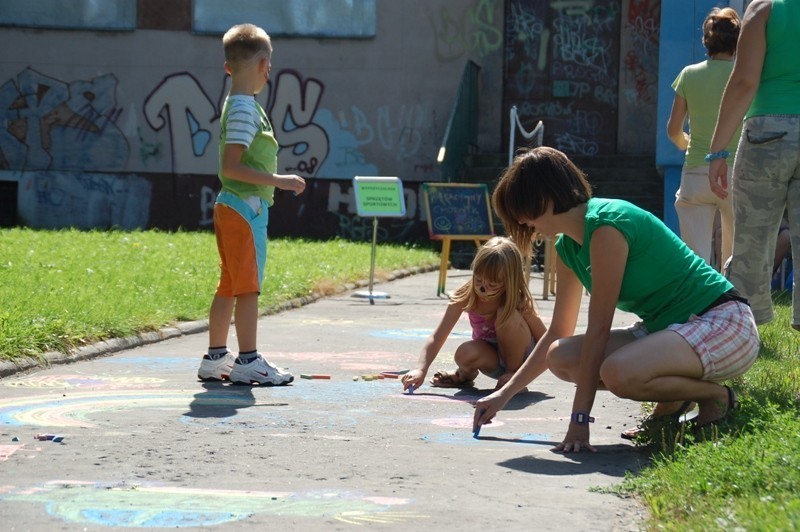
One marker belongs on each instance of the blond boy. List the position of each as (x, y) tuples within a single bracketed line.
[(248, 155)]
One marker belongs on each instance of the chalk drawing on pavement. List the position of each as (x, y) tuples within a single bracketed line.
[(154, 363), (150, 506), (78, 409), (359, 362), (416, 334), (72, 381), (7, 450), (460, 422)]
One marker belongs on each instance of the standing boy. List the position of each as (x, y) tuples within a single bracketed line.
[(248, 155)]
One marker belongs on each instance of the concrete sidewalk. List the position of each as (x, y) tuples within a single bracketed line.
[(146, 445)]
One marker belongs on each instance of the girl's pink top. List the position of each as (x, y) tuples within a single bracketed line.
[(482, 327)]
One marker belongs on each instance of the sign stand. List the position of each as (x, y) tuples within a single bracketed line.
[(377, 196), (456, 211)]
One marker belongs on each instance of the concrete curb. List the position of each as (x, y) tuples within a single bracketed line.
[(114, 345)]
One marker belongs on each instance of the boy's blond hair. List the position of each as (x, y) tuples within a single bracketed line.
[(499, 261), (244, 42)]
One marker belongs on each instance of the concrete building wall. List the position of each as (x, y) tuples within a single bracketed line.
[(121, 128)]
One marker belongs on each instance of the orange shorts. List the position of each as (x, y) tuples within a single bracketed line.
[(242, 244)]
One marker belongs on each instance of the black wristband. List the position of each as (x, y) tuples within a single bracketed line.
[(582, 418)]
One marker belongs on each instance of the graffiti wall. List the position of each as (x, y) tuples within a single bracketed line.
[(120, 129), (638, 94), (587, 69)]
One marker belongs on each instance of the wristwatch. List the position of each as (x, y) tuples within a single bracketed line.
[(582, 418)]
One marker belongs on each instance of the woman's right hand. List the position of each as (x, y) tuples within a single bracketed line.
[(718, 177), (414, 377), (488, 407)]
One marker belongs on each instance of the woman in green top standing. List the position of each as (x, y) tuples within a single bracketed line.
[(696, 331), (698, 91), (764, 89)]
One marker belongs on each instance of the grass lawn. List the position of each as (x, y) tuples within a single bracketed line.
[(746, 476), (64, 289)]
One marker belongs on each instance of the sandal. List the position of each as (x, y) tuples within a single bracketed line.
[(451, 379), (648, 422), (733, 404)]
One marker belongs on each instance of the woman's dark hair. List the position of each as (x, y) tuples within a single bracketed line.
[(721, 31), (540, 177)]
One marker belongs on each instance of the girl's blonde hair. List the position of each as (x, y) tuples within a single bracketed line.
[(499, 261)]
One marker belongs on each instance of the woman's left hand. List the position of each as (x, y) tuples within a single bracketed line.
[(577, 438)]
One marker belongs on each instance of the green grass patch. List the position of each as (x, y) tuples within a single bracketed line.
[(746, 476), (64, 289)]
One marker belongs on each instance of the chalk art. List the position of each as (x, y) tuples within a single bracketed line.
[(415, 334), (148, 506), (83, 381), (7, 450), (461, 422), (157, 363), (76, 410), (356, 361), (298, 420)]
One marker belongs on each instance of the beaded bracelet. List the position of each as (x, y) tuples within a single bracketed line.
[(722, 154)]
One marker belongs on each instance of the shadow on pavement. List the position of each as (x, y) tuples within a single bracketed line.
[(611, 460), (218, 400)]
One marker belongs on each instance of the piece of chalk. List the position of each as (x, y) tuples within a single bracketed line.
[(305, 376), (44, 437), (58, 439), (478, 429), (320, 376), (14, 439), (410, 388), (389, 375)]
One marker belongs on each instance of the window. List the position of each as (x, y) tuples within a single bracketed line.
[(112, 15), (293, 18)]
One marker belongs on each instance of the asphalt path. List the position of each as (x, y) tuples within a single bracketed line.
[(141, 443)]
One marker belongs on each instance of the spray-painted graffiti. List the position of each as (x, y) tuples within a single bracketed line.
[(180, 104), (524, 27), (52, 124), (473, 31), (638, 74), (562, 68), (641, 59), (62, 139), (294, 103), (83, 200)]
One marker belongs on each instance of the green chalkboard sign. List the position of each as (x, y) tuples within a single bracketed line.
[(459, 211)]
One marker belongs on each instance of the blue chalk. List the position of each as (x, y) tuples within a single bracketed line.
[(410, 388), (478, 430)]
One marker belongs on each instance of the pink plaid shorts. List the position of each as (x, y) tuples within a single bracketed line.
[(725, 338)]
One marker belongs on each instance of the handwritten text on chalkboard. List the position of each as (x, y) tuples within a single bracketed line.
[(458, 210)]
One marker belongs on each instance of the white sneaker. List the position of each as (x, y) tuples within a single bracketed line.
[(216, 370), (259, 371)]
